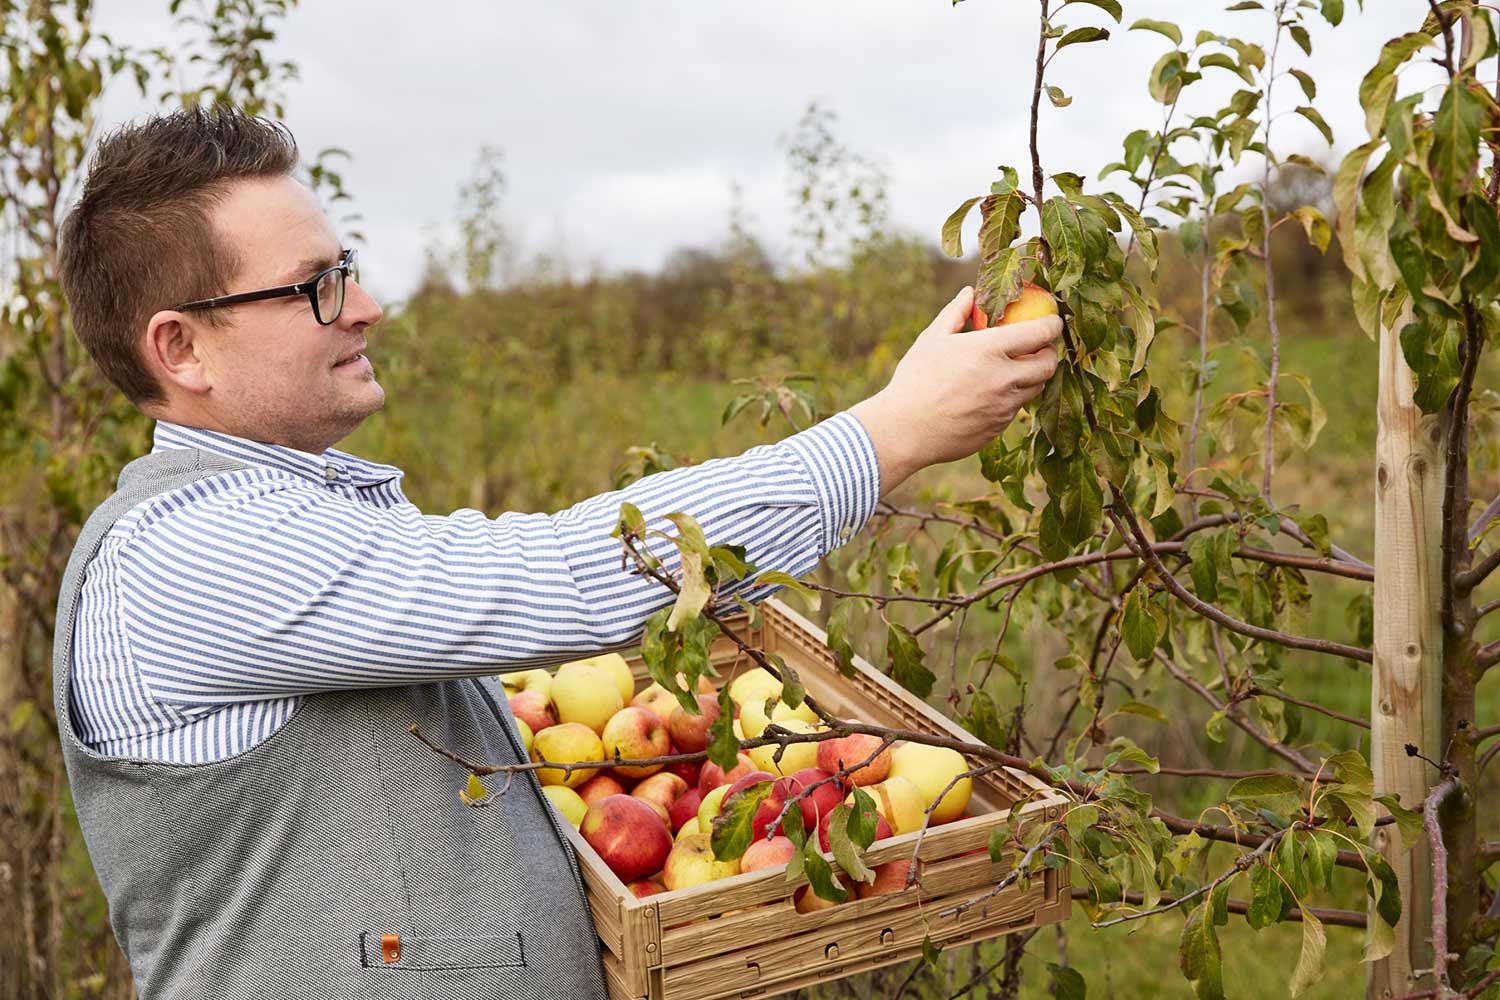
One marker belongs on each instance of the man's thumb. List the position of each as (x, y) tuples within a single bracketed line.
[(955, 314)]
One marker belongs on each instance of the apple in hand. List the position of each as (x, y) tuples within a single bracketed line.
[(600, 785), (585, 694), (764, 853), (850, 751), (1034, 302), (690, 732), (931, 768), (635, 733), (692, 862), (628, 835), (532, 707), (566, 743)]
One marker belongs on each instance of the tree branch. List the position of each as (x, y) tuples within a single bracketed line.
[(1440, 954), (1334, 918)]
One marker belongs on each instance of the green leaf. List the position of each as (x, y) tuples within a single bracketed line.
[(778, 578), (1137, 626), (1160, 27), (1198, 954), (1312, 115), (1080, 818), (1057, 97), (1455, 142), (906, 657), (838, 636), (929, 948), (1263, 787), (1352, 769), (723, 746), (842, 846), (1314, 225), (1061, 229), (1082, 36), (1333, 11), (1082, 504), (1265, 897), (820, 874), (1310, 962), (1408, 821), (1223, 60), (952, 228), (1145, 711), (476, 789), (1110, 7), (1299, 35), (733, 828), (1379, 84), (984, 721), (1309, 86), (1067, 983)]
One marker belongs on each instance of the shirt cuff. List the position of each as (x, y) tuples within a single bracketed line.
[(840, 459)]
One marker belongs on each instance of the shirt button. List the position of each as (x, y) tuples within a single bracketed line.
[(844, 533), (331, 473)]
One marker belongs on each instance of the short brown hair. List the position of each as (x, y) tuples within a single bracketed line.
[(141, 238)]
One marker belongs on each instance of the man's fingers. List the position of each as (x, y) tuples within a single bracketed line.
[(1033, 369), (1016, 339)]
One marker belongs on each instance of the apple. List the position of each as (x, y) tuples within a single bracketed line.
[(849, 751), (585, 694), (527, 680), (643, 887), (808, 901), (567, 802), (684, 808), (687, 770), (753, 717), (770, 806), (757, 684), (899, 801), (628, 836), (566, 743), (690, 732), (889, 877), (796, 756), (816, 804), (692, 862), (532, 707), (688, 829), (658, 699), (713, 775), (882, 829), (526, 734), (600, 785), (635, 733), (662, 789), (931, 768), (613, 664), (709, 807), (1034, 302), (764, 853)]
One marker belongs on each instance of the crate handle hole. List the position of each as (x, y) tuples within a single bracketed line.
[(888, 937), (831, 952), (753, 967)]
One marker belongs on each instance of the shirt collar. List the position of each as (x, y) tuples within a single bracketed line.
[(333, 466)]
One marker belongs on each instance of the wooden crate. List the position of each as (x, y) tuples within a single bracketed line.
[(687, 945)]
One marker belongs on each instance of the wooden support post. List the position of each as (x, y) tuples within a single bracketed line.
[(1406, 686)]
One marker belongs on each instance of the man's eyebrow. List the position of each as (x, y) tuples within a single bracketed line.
[(308, 267)]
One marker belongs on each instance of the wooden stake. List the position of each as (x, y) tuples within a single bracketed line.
[(1406, 686)]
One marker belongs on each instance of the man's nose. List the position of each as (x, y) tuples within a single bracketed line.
[(359, 307)]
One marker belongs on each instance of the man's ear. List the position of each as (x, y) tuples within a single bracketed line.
[(172, 352)]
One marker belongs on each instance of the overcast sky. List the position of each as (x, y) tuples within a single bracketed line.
[(623, 123)]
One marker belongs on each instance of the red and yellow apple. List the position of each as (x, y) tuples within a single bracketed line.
[(889, 877), (851, 751), (687, 770), (527, 680), (823, 799), (635, 733), (899, 801), (684, 808), (764, 853), (532, 707), (688, 829), (692, 862), (566, 743), (1034, 302), (712, 775), (882, 829), (628, 835), (808, 901), (770, 806), (931, 768), (600, 785), (643, 887), (708, 809), (662, 789), (690, 732)]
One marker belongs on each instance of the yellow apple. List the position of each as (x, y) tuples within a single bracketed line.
[(899, 801), (930, 768), (692, 862), (636, 734), (613, 664), (567, 802), (753, 719), (585, 694), (566, 743), (527, 680), (526, 734), (757, 684), (796, 756), (689, 828), (709, 807)]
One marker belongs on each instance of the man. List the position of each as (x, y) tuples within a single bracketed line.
[(250, 624)]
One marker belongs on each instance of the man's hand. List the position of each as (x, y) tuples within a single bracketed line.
[(953, 392)]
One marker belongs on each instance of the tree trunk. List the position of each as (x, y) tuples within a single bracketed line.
[(1406, 686)]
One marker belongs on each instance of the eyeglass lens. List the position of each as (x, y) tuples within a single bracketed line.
[(331, 291)]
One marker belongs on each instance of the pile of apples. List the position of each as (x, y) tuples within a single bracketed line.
[(651, 823)]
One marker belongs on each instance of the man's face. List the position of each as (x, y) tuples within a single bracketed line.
[(276, 373)]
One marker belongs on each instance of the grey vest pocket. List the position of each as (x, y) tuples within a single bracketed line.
[(501, 951)]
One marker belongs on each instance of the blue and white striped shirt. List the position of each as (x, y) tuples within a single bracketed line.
[(210, 610)]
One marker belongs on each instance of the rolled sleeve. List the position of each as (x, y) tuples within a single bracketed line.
[(843, 468)]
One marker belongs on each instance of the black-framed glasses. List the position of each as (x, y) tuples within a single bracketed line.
[(325, 290)]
